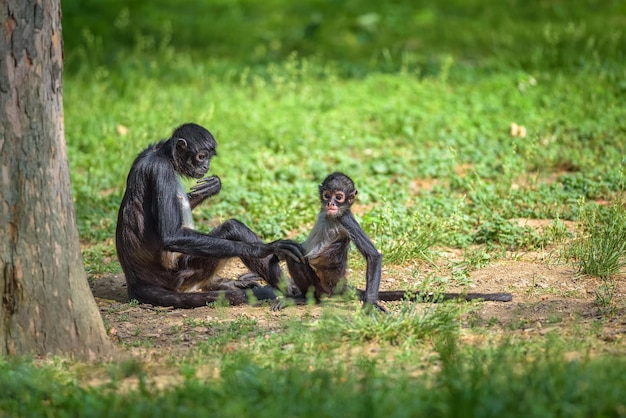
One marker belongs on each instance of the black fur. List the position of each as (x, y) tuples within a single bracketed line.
[(166, 261)]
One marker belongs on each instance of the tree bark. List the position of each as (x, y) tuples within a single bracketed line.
[(46, 306)]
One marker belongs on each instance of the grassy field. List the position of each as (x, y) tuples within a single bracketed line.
[(456, 120)]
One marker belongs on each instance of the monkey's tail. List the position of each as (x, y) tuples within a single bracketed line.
[(396, 295)]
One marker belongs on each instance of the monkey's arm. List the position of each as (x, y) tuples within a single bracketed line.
[(373, 258), (195, 243), (204, 188)]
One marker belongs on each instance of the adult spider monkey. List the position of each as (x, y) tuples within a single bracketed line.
[(165, 260), (326, 250)]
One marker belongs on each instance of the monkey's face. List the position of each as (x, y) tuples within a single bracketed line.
[(199, 163), (334, 203), (337, 193), (194, 148), (195, 164), (193, 159)]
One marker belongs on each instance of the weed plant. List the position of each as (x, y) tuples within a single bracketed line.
[(601, 250), (409, 323)]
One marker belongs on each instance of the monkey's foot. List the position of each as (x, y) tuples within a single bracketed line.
[(238, 284), (374, 306), (282, 303)]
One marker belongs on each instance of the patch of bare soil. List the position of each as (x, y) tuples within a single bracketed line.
[(547, 297)]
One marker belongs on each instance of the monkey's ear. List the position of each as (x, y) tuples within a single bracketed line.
[(352, 196), (181, 144)]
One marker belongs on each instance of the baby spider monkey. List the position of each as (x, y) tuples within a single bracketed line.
[(326, 249)]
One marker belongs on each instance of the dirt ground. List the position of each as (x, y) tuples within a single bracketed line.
[(547, 297)]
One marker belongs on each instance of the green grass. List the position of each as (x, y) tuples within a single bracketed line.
[(601, 248), (415, 102), (433, 374), (278, 137)]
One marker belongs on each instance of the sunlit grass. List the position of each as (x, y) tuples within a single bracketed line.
[(438, 379), (601, 249), (416, 102)]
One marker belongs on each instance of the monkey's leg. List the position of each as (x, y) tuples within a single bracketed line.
[(305, 278), (268, 268), (201, 274), (197, 286), (157, 295), (197, 274)]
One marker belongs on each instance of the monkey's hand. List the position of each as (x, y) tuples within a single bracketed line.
[(287, 248), (206, 187)]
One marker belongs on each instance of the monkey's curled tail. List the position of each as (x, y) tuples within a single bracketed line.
[(396, 295)]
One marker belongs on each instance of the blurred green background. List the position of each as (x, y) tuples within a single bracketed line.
[(415, 100), (359, 35)]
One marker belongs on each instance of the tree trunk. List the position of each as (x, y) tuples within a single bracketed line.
[(46, 306)]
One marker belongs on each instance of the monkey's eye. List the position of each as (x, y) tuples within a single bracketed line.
[(340, 197), (202, 156), (326, 195)]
